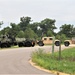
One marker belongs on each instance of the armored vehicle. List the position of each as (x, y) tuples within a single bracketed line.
[(22, 42), (7, 41)]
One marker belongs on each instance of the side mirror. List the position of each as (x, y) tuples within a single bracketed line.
[(66, 43), (57, 43)]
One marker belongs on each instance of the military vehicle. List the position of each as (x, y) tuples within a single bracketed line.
[(22, 42), (29, 43), (8, 41)]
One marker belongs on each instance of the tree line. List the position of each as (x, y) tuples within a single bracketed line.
[(26, 28)]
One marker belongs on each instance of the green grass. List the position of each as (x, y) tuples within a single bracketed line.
[(52, 62)]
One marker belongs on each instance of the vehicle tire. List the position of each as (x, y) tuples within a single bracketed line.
[(28, 44), (3, 45), (40, 43), (20, 44), (57, 43), (66, 43)]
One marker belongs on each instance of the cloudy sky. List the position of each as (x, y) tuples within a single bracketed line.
[(63, 11)]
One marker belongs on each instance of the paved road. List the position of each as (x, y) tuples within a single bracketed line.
[(15, 61)]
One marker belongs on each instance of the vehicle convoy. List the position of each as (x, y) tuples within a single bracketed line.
[(49, 40), (8, 41)]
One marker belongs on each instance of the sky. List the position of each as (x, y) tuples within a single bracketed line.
[(63, 11)]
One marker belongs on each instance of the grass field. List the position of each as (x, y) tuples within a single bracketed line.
[(52, 62)]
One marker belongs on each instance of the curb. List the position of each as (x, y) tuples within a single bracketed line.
[(41, 68)]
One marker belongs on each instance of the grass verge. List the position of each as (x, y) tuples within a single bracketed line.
[(51, 62)]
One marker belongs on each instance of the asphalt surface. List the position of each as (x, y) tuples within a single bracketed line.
[(16, 61)]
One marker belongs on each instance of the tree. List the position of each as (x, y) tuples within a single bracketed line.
[(14, 29), (67, 29), (21, 34), (49, 33), (61, 37), (5, 31), (25, 21), (34, 26), (47, 24), (73, 32), (30, 34), (57, 36)]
